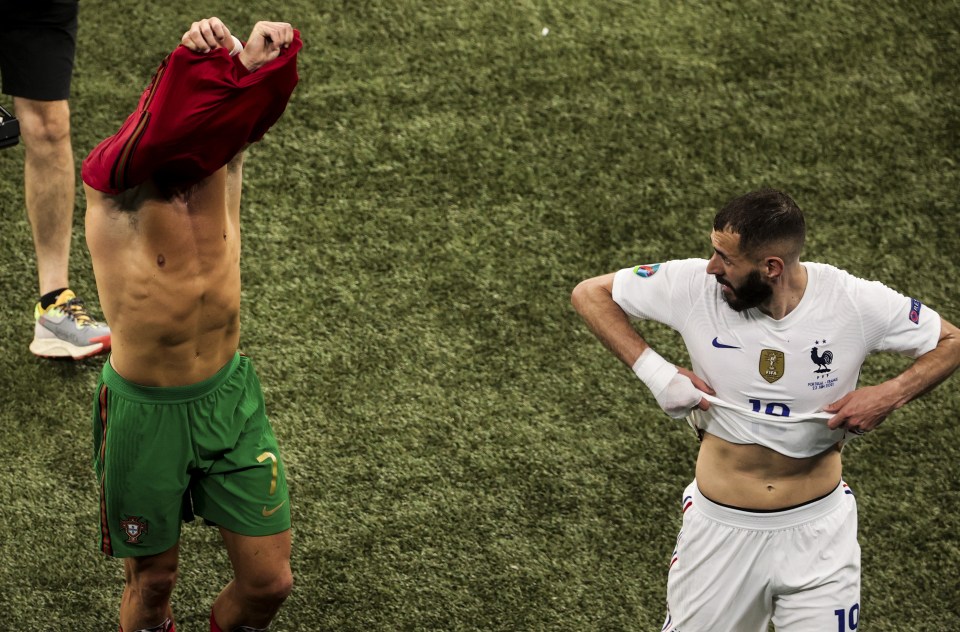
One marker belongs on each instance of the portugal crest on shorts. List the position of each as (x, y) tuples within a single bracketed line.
[(771, 365), (134, 527)]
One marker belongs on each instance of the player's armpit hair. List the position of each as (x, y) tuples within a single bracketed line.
[(236, 162)]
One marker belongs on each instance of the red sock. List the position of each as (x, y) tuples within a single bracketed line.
[(172, 628), (213, 624)]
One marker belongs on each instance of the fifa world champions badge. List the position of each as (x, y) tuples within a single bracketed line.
[(135, 527), (772, 364)]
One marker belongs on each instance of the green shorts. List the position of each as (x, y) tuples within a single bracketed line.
[(164, 454)]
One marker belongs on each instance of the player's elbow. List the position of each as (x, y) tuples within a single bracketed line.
[(579, 295), (586, 294), (950, 340)]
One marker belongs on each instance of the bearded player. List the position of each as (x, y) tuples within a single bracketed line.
[(179, 422), (769, 527)]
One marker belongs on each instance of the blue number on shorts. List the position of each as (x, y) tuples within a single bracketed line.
[(843, 619), (777, 409)]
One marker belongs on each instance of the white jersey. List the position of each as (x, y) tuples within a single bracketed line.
[(773, 377)]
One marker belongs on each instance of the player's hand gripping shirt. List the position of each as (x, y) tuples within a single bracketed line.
[(209, 96), (773, 377)]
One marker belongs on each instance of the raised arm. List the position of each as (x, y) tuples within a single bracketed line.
[(676, 389), (266, 42), (200, 109), (593, 300)]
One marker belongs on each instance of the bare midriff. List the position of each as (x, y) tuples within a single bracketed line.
[(755, 477), (168, 276)]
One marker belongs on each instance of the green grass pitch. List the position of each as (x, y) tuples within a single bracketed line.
[(463, 454)]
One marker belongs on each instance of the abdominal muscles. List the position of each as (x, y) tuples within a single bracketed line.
[(169, 285)]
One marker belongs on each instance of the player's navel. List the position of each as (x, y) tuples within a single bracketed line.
[(160, 260), (770, 488)]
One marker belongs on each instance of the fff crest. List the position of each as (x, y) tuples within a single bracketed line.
[(772, 364)]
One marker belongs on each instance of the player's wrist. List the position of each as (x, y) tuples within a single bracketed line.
[(654, 371)]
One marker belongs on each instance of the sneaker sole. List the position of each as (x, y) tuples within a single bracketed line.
[(54, 348)]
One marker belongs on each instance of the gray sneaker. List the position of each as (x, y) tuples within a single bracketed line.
[(66, 330)]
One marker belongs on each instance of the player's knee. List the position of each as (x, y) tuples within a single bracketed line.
[(270, 589), (277, 590)]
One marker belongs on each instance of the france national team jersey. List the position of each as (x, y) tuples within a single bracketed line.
[(772, 377)]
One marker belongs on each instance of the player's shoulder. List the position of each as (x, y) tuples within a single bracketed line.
[(829, 275), (689, 265), (673, 267), (837, 286), (673, 274)]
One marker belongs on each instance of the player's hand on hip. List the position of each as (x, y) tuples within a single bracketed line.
[(862, 410), (265, 43), (206, 35)]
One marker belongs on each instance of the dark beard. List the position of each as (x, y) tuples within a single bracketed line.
[(753, 293)]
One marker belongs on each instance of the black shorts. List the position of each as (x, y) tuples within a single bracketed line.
[(38, 40)]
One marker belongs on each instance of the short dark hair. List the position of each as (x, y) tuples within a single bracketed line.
[(761, 218)]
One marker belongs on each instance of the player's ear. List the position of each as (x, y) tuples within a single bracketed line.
[(773, 267)]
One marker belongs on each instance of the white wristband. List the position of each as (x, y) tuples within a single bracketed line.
[(654, 371), (237, 46)]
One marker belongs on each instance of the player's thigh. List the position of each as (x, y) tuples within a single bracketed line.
[(260, 562), (156, 569), (244, 488), (823, 568), (832, 607), (141, 462), (717, 579)]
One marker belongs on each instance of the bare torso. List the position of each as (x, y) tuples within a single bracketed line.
[(755, 477), (168, 275)]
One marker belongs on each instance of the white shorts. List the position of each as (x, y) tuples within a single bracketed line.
[(736, 570)]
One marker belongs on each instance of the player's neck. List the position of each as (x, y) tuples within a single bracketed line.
[(787, 292)]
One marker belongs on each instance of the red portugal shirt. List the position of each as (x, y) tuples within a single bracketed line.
[(199, 110)]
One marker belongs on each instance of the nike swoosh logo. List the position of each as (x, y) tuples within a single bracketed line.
[(720, 345), (269, 512)]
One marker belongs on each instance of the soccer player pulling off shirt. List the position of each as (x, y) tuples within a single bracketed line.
[(179, 420), (769, 527)]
